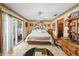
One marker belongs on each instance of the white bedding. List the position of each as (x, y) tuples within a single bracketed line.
[(39, 35)]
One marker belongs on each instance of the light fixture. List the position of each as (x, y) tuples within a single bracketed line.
[(40, 14), (40, 21)]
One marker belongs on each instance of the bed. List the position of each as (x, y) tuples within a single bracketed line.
[(39, 37)]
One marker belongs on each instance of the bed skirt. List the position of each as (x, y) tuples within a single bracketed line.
[(39, 42)]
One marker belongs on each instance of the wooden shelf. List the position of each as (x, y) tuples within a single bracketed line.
[(73, 18)]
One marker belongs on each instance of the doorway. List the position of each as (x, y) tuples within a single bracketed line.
[(60, 28)]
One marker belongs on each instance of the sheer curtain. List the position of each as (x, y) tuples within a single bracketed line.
[(12, 32), (5, 31), (7, 26)]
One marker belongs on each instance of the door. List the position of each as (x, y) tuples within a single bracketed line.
[(60, 28)]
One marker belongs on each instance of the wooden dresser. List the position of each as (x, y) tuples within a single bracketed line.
[(70, 48)]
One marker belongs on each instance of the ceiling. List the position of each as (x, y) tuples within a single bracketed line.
[(49, 10)]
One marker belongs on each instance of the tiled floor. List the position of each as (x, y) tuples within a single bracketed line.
[(23, 47)]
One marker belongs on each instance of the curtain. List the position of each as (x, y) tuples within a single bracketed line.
[(12, 29), (10, 32), (5, 31)]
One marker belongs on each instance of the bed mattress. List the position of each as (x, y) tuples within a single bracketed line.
[(39, 36)]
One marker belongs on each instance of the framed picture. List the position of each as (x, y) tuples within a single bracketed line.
[(48, 25), (45, 25), (35, 24), (31, 24), (53, 26), (26, 24)]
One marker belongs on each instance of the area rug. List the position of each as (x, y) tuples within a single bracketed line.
[(40, 51)]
